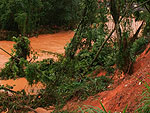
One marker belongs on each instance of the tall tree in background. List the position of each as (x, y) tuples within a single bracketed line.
[(122, 13), (25, 16), (19, 15)]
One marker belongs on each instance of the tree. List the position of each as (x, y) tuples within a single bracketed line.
[(26, 16), (121, 12)]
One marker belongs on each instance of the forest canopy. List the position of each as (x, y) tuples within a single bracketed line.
[(26, 16)]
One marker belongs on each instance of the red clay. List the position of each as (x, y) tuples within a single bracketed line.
[(126, 90)]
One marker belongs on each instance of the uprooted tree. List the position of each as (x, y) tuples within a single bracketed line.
[(93, 47)]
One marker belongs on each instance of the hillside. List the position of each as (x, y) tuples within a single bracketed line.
[(126, 90)]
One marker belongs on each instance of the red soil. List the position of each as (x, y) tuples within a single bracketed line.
[(126, 90)]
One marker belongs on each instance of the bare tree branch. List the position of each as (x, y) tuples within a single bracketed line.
[(147, 8), (135, 36), (9, 54), (125, 12), (109, 36), (7, 89), (6, 52), (140, 4)]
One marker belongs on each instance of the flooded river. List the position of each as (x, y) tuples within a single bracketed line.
[(50, 42)]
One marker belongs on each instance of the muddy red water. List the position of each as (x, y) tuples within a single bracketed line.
[(113, 100), (50, 42)]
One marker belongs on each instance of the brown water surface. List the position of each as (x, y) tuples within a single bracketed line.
[(49, 42)]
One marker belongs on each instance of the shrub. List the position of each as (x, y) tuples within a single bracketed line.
[(26, 16), (138, 47), (18, 61), (145, 104)]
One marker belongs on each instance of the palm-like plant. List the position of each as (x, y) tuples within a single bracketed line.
[(145, 104)]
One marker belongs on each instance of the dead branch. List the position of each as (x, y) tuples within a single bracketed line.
[(7, 89), (147, 8), (109, 36), (27, 107), (6, 52), (9, 54), (135, 36), (20, 106), (140, 4)]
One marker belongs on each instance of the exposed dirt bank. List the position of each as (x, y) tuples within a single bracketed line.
[(126, 90)]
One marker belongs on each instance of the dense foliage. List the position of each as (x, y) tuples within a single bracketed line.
[(27, 16), (16, 64), (120, 49), (91, 49)]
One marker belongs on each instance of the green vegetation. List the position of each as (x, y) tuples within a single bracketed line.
[(35, 16), (16, 64), (92, 109), (145, 102), (92, 47), (144, 106)]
